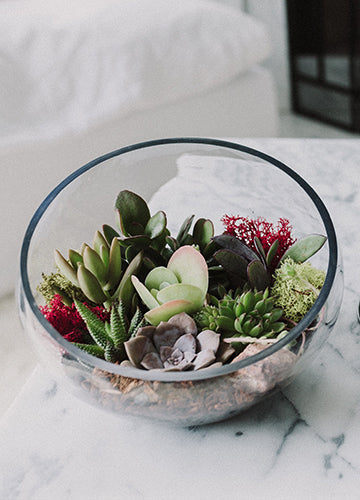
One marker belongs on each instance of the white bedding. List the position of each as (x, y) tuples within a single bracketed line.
[(65, 66)]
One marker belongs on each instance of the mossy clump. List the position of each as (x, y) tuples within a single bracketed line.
[(296, 288)]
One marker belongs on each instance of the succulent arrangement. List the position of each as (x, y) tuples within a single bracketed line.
[(144, 298)]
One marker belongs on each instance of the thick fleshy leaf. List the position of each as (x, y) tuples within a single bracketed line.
[(234, 264), (65, 268), (137, 347), (133, 212), (109, 233), (304, 248), (145, 294), (158, 276), (190, 267), (182, 291), (125, 289), (208, 339), (258, 277), (93, 263), (99, 240), (272, 252), (203, 232), (94, 324), (156, 225), (237, 246), (141, 241), (90, 285), (75, 258), (184, 229), (115, 265), (167, 310)]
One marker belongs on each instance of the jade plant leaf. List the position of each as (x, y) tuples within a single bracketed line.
[(133, 213), (305, 248), (168, 310), (190, 267), (258, 276), (156, 225)]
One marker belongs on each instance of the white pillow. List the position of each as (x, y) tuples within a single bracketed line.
[(67, 65)]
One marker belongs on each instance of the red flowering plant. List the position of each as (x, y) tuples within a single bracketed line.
[(120, 298)]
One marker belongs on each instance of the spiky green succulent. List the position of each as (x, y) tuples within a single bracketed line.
[(101, 272), (109, 337), (251, 314), (141, 231)]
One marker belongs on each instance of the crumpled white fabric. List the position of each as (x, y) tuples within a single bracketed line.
[(68, 65)]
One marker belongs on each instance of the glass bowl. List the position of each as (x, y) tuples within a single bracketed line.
[(182, 176)]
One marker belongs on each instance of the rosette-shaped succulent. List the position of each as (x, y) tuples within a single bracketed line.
[(100, 271), (179, 287), (176, 345), (251, 314)]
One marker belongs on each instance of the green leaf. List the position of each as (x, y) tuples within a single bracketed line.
[(94, 324), (99, 241), (65, 268), (109, 233), (203, 232), (75, 258), (135, 323), (90, 285), (145, 295), (272, 252), (155, 225), (184, 229), (125, 289), (93, 262), (94, 350), (158, 276), (115, 265), (133, 212), (304, 248), (139, 241), (118, 325)]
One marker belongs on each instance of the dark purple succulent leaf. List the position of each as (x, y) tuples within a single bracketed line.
[(233, 263), (259, 278), (237, 246)]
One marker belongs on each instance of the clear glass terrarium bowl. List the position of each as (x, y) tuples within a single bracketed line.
[(208, 178)]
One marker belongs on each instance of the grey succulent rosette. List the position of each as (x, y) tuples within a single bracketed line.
[(176, 345)]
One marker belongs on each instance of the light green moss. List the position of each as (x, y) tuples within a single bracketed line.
[(296, 287), (56, 283)]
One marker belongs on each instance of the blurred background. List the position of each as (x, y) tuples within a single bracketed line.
[(80, 79)]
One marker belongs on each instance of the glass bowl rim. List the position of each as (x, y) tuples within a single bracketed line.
[(172, 376)]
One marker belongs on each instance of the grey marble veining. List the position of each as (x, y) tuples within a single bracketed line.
[(303, 443)]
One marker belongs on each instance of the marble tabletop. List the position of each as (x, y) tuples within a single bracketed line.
[(303, 443)]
